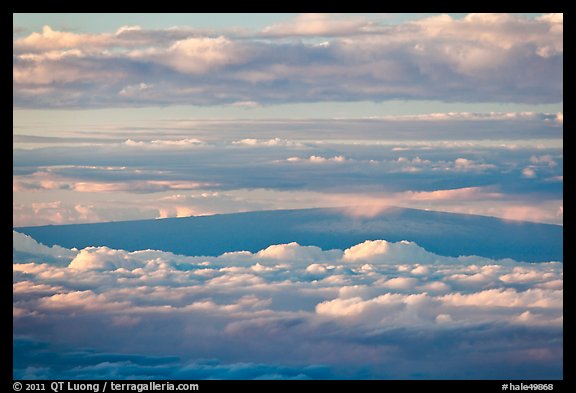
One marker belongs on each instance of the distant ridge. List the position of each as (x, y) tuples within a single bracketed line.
[(439, 232)]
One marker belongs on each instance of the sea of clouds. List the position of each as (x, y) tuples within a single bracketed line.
[(378, 309)]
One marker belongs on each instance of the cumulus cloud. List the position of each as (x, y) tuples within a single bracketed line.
[(24, 245), (102, 258), (386, 252), (318, 25), (196, 55), (50, 39), (295, 252), (287, 304), (481, 57)]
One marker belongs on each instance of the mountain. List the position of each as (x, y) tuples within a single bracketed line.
[(442, 233)]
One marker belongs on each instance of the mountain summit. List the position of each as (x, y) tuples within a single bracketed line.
[(442, 233)]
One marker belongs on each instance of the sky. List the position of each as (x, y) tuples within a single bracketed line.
[(148, 116), (121, 117)]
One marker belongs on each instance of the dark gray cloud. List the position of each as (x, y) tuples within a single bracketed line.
[(40, 360)]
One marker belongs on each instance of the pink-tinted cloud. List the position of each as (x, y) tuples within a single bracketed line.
[(299, 299), (475, 58), (319, 25), (535, 213), (50, 39), (368, 206), (467, 193)]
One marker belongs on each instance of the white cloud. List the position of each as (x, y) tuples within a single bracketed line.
[(319, 25), (196, 55), (50, 39), (301, 301), (443, 319), (472, 116), (507, 298), (420, 270), (319, 159), (534, 213), (135, 90), (102, 258), (435, 287), (481, 57), (466, 164), (246, 104), (165, 143), (545, 159), (296, 252), (459, 193), (366, 250), (270, 142), (400, 283), (560, 118), (24, 243)]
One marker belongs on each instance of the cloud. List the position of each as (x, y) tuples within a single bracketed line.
[(102, 258), (371, 205), (386, 252), (280, 310), (473, 116), (271, 142), (460, 193), (293, 251), (545, 159), (482, 57), (466, 164), (195, 55), (135, 90), (507, 298), (165, 143), (50, 39), (318, 159), (137, 186), (356, 164), (83, 364), (529, 172), (318, 25), (531, 213), (89, 178), (25, 247), (246, 104), (560, 118)]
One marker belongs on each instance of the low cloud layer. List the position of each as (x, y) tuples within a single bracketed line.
[(287, 311), (508, 165), (479, 58)]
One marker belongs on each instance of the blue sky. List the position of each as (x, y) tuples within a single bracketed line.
[(98, 23)]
